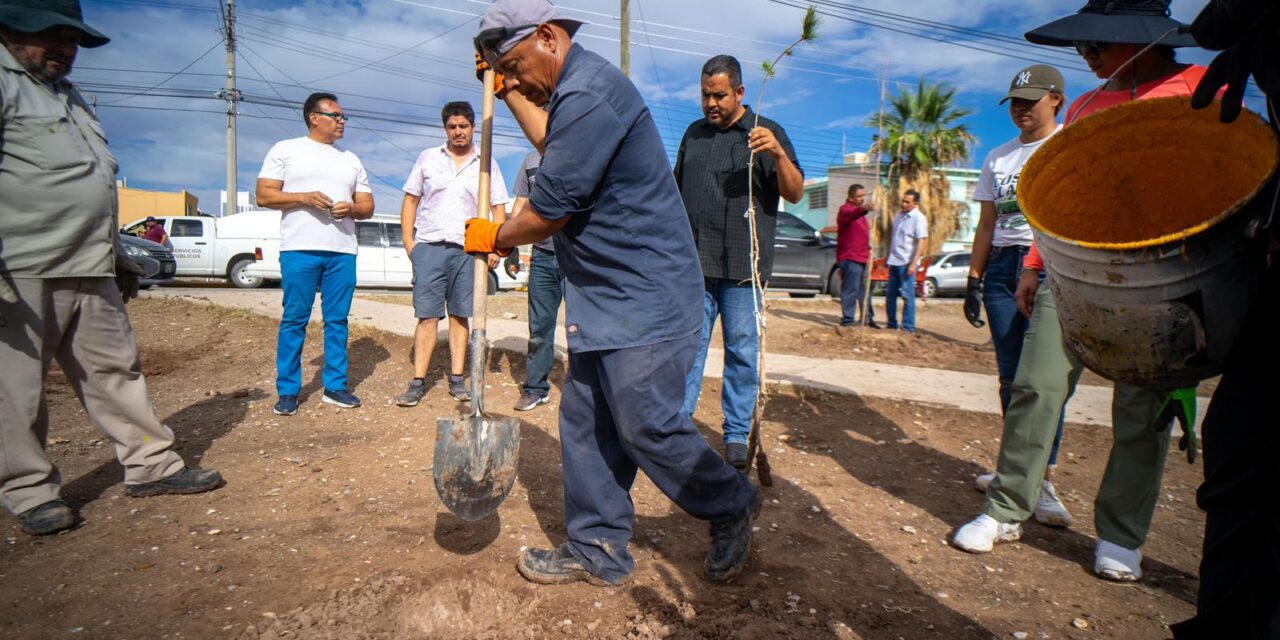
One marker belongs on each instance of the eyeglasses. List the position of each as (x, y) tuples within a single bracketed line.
[(339, 117), (488, 41), (1087, 48)]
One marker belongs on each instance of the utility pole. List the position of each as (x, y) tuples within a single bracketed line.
[(624, 39), (232, 96)]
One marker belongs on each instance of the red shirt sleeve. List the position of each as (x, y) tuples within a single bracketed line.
[(1033, 259)]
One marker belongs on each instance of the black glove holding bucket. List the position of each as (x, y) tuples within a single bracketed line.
[(973, 303), (1248, 33)]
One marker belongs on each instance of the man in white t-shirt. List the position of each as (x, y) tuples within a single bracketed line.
[(910, 229), (440, 195), (320, 190)]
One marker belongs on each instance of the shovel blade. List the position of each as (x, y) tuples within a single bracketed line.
[(475, 463)]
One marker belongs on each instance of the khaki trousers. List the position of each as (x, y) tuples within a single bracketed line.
[(1046, 378), (82, 323)]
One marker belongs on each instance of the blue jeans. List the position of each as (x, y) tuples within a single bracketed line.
[(901, 283), (620, 411), (1007, 324), (853, 277), (303, 272), (545, 295), (730, 300)]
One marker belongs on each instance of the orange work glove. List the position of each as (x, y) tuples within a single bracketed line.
[(482, 236), (499, 87)]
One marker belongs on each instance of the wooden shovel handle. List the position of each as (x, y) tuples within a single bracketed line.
[(480, 290)]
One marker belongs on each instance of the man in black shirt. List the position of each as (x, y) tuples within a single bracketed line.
[(711, 171)]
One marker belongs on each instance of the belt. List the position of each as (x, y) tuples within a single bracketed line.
[(1012, 247)]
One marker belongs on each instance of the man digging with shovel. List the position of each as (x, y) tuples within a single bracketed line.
[(633, 292)]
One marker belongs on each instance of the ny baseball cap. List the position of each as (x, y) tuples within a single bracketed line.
[(507, 22), (1034, 82)]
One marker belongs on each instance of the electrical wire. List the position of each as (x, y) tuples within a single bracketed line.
[(174, 74)]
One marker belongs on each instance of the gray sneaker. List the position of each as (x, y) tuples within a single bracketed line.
[(413, 395), (529, 401), (458, 388)]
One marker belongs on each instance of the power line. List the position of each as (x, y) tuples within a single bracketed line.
[(174, 74), (401, 51)]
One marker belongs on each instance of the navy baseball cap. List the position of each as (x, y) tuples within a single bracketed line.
[(506, 22)]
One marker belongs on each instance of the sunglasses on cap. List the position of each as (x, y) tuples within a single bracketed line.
[(488, 41), (1087, 48)]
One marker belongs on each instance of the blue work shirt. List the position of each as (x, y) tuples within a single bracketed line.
[(631, 270)]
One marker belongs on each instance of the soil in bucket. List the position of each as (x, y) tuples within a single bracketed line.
[(1145, 173)]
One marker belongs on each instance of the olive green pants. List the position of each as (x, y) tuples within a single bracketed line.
[(1046, 378)]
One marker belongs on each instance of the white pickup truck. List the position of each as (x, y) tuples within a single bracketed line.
[(381, 261), (219, 247)]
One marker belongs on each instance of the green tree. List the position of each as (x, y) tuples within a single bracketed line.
[(920, 132)]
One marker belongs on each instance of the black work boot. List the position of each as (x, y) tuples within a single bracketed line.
[(186, 481), (731, 545), (735, 453), (556, 566), (50, 517)]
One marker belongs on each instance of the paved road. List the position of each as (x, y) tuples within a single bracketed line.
[(967, 391)]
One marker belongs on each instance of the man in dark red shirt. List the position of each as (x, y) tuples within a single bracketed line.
[(853, 252), (155, 230)]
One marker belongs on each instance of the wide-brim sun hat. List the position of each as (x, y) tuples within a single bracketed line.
[(34, 16), (1115, 22)]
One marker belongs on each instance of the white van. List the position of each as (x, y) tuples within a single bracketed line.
[(380, 262), (218, 247)]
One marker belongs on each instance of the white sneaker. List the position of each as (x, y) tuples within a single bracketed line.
[(1049, 509), (983, 481), (980, 535), (1114, 562)]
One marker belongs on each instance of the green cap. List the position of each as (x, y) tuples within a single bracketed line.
[(34, 16), (1034, 82)]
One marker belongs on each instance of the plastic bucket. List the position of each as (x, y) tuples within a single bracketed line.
[(1148, 215)]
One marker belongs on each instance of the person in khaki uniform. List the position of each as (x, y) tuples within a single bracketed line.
[(64, 278)]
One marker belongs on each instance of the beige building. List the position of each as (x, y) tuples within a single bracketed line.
[(136, 204)]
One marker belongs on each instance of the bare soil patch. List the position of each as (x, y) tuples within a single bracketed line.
[(329, 526)]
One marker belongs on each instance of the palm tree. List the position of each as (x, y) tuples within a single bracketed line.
[(920, 132)]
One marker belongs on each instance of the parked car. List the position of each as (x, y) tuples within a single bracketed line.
[(142, 252), (218, 247), (880, 276), (947, 273), (381, 261), (804, 260)]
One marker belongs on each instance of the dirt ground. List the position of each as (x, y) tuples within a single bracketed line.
[(329, 526), (809, 327)]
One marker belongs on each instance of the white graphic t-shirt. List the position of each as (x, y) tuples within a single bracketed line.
[(998, 184)]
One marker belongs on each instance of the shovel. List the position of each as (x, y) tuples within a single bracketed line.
[(475, 457)]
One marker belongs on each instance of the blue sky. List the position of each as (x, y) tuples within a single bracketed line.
[(398, 61)]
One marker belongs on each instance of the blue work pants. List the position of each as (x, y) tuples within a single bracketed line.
[(545, 296), (732, 302), (621, 411), (303, 273), (901, 283), (1007, 324), (853, 280)]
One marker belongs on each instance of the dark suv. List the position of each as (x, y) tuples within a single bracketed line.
[(139, 249), (804, 261)]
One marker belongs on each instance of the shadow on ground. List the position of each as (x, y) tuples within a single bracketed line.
[(832, 570)]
